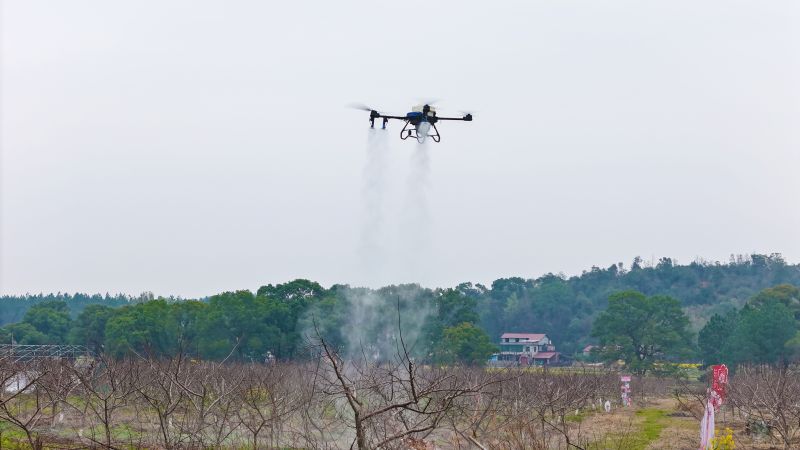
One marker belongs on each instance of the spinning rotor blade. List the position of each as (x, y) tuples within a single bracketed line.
[(360, 106), (430, 101)]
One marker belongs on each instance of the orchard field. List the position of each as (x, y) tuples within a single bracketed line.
[(329, 403)]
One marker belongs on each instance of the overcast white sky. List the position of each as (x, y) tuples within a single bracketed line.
[(190, 147)]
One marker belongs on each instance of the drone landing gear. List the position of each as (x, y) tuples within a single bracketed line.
[(436, 137), (372, 122), (406, 133)]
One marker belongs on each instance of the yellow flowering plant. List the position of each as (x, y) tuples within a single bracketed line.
[(724, 442)]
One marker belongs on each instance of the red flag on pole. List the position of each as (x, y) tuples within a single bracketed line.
[(716, 397), (718, 384)]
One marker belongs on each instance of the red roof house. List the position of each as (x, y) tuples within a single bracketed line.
[(526, 349)]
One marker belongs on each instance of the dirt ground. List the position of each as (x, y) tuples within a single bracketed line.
[(659, 424)]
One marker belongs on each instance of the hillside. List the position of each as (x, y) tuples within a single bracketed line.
[(276, 317)]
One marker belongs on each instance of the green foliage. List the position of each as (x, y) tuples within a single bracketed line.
[(89, 328), (249, 325), (786, 294), (715, 335), (46, 322), (24, 333), (277, 319), (454, 307), (298, 291), (765, 330), (13, 308), (145, 328), (642, 330), (50, 318), (653, 422), (464, 343), (793, 347), (760, 335)]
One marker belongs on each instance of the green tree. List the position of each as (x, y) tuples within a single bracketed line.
[(715, 335), (51, 318), (188, 315), (787, 294), (252, 325), (551, 307), (453, 307), (148, 327), (642, 330), (761, 335), (464, 343), (23, 333), (89, 328), (292, 291), (793, 347)]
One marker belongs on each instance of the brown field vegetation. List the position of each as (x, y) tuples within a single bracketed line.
[(329, 402)]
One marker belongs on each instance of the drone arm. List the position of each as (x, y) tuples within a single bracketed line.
[(376, 115), (391, 117), (467, 118)]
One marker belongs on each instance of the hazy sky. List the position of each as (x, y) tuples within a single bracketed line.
[(191, 147)]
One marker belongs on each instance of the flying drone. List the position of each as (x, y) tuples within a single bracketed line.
[(418, 123)]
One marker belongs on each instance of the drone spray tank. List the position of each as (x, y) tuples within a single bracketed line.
[(427, 113), (422, 131)]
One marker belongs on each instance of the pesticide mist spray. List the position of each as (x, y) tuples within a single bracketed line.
[(372, 252), (416, 231)]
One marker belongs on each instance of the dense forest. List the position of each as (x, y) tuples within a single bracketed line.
[(461, 323)]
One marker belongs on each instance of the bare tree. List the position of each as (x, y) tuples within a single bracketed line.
[(691, 397), (392, 401), (160, 387), (481, 417), (268, 398), (540, 403), (770, 395), (22, 403), (107, 387), (211, 390)]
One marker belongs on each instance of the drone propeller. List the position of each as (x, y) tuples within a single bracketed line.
[(360, 106), (429, 101)]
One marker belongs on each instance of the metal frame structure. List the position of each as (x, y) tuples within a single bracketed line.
[(16, 352)]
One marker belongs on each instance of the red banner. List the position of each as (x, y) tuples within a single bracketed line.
[(718, 384), (716, 397)]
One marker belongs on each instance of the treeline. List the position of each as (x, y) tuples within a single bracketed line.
[(765, 331), (461, 323), (275, 322), (565, 308), (14, 307), (650, 333)]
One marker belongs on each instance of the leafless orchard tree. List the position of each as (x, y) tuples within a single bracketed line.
[(481, 416), (538, 404), (644, 388), (771, 395), (161, 390), (691, 397), (23, 402), (320, 424), (269, 396), (195, 402), (57, 384), (107, 388), (326, 402), (212, 403), (390, 402)]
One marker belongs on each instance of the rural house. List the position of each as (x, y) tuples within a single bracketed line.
[(525, 349)]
